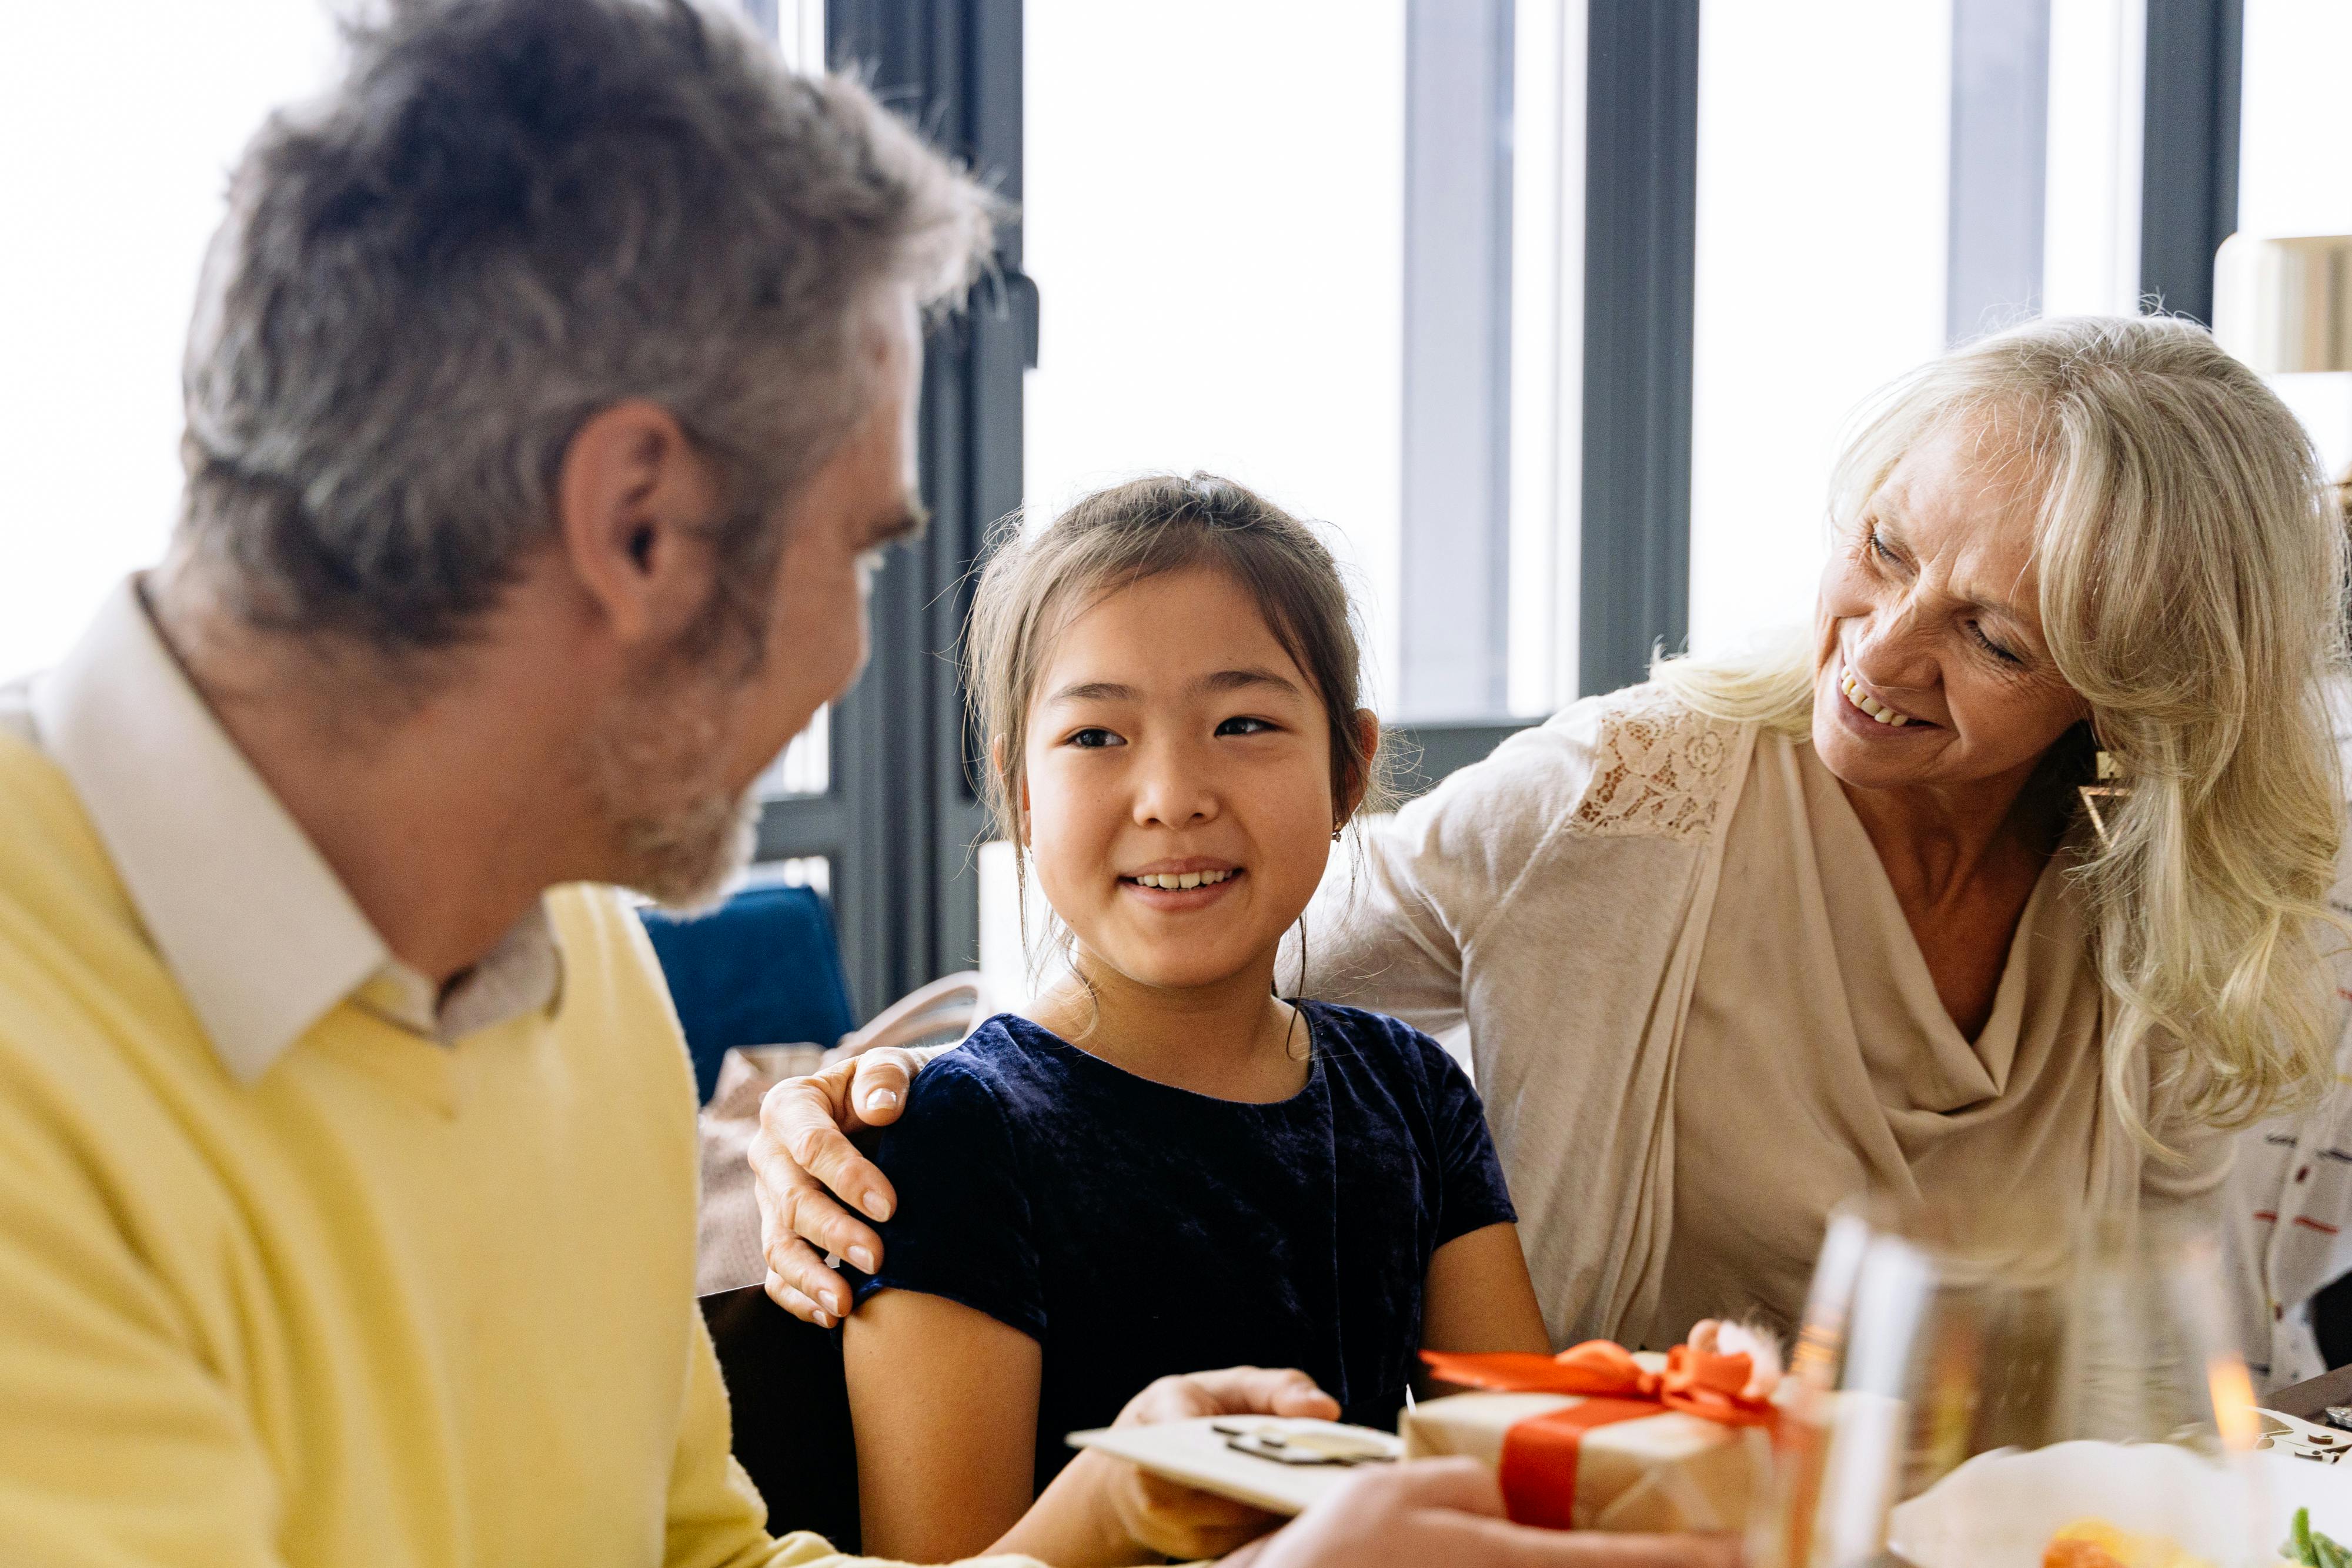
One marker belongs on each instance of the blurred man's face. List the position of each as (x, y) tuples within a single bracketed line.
[(678, 765)]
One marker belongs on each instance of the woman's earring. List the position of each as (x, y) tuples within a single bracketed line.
[(2105, 794), (1336, 831)]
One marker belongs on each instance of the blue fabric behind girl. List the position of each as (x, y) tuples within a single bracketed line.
[(1135, 1229)]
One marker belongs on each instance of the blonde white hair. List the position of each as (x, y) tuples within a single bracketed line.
[(2192, 569)]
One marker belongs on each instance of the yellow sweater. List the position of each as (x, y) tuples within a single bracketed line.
[(395, 1305)]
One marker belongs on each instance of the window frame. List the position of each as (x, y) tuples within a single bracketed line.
[(900, 814), (900, 819), (1640, 257)]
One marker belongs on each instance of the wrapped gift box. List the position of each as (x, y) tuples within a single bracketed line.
[(1601, 1462)]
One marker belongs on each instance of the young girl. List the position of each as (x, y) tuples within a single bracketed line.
[(1162, 1165)]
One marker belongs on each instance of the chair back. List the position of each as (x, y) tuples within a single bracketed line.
[(763, 968), (940, 1013)]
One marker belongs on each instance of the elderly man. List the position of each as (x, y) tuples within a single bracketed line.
[(549, 397)]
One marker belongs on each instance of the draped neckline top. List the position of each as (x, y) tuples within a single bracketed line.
[(1818, 1060)]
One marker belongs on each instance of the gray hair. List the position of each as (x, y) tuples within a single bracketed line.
[(508, 215)]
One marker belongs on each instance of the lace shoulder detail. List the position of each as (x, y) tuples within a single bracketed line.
[(1660, 771)]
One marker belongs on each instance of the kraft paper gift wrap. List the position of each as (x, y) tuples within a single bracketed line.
[(1652, 1443)]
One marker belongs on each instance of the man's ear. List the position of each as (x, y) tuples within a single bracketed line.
[(634, 505)]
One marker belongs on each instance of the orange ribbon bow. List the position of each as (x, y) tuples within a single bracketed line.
[(1539, 1465)]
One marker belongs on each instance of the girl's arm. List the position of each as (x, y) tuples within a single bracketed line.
[(944, 1400), (1479, 1296)]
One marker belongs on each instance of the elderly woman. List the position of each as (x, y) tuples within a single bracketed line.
[(1764, 932)]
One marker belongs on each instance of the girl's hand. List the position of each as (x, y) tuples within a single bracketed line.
[(1101, 1512), (1763, 1351), (802, 1156), (1172, 1519)]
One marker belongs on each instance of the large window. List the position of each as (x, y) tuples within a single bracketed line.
[(1874, 183), (1559, 312), (1823, 134), (1554, 310), (1317, 247), (1213, 206), (1332, 249)]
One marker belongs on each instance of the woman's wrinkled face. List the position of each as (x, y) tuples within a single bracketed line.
[(1178, 781), (1931, 669)]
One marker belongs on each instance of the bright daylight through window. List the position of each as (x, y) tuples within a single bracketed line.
[(1332, 248), (123, 203), (1874, 182)]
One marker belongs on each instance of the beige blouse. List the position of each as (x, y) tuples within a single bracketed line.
[(1698, 1020), (1818, 1060)]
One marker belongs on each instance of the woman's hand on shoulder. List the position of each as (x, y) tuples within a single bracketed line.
[(802, 1158)]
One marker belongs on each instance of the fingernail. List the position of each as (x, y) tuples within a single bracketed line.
[(873, 1205), (823, 1319), (863, 1259), (882, 1100)]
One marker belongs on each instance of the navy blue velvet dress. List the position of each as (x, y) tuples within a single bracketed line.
[(1135, 1229)]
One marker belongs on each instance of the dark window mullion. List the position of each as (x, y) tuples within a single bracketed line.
[(803, 825), (905, 896), (1640, 229), (1429, 753), (2188, 154)]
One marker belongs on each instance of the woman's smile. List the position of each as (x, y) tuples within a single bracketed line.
[(1867, 714), (1177, 886)]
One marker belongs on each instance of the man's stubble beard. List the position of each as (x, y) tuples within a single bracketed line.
[(679, 835)]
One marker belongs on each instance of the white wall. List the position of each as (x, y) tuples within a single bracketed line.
[(2296, 174)]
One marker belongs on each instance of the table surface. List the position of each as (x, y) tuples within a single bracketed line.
[(2308, 1399)]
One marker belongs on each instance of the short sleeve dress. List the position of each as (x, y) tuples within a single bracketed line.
[(1135, 1229)]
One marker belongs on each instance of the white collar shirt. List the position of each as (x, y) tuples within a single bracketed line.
[(262, 936)]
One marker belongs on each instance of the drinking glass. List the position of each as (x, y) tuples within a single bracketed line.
[(1976, 1390)]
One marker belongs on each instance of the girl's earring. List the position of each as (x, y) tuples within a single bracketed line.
[(1337, 830), (2106, 792)]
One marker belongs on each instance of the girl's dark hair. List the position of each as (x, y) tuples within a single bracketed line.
[(1034, 585)]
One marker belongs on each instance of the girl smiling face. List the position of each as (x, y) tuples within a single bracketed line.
[(1177, 781), (1930, 669)]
